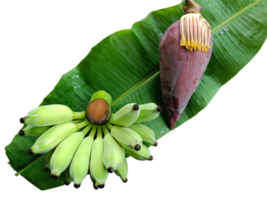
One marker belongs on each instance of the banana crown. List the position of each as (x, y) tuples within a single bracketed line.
[(98, 110)]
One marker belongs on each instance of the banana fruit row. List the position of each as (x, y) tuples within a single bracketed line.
[(76, 147)]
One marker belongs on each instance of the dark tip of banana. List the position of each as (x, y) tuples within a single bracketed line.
[(110, 170), (159, 109), (47, 169), (22, 120), (135, 107), (54, 176), (77, 186), (31, 152), (67, 183), (151, 158), (101, 186), (155, 144), (137, 147), (95, 187), (125, 180), (21, 133)]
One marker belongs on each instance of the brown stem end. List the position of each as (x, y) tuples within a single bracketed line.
[(97, 111), (191, 7)]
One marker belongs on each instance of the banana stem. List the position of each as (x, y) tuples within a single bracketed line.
[(103, 95), (82, 125), (78, 121), (105, 130), (93, 132), (78, 115), (109, 126), (99, 131), (87, 129)]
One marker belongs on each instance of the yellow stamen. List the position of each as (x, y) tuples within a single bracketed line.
[(195, 33)]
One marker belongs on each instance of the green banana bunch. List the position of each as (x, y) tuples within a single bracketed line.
[(128, 138), (98, 171), (47, 160), (100, 147), (53, 136), (127, 115), (33, 131), (64, 152), (80, 163), (148, 112), (122, 171), (143, 154), (147, 134), (51, 115), (114, 153)]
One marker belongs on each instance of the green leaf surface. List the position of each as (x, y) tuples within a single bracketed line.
[(126, 65)]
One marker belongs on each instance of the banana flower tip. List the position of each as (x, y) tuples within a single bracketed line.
[(173, 120)]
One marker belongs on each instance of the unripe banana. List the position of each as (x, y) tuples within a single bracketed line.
[(147, 134), (33, 131), (143, 154), (122, 171), (127, 115), (80, 163), (114, 153), (127, 137), (47, 160), (148, 112), (53, 136), (64, 152), (51, 115), (98, 171)]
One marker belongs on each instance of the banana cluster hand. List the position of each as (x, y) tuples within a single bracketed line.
[(93, 142)]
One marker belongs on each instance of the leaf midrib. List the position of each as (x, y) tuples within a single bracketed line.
[(19, 172), (234, 16)]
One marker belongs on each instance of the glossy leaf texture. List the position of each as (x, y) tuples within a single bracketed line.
[(126, 65)]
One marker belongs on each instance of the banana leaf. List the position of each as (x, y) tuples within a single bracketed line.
[(126, 65)]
